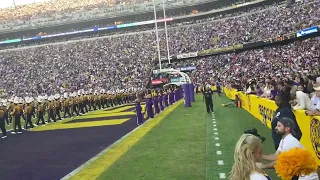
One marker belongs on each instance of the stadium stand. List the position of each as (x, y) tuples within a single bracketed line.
[(62, 11), (106, 56)]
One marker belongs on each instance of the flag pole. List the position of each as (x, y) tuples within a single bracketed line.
[(166, 30), (157, 34)]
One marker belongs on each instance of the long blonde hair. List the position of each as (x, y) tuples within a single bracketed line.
[(244, 160)]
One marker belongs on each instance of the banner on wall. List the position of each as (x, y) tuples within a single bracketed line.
[(264, 109)]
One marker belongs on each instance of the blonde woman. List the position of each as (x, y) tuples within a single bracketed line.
[(247, 152)]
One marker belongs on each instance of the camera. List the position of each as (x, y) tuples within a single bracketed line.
[(254, 131)]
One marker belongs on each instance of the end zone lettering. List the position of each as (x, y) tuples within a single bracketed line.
[(266, 112)]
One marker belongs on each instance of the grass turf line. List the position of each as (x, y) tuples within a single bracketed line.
[(99, 166), (174, 149), (231, 123)]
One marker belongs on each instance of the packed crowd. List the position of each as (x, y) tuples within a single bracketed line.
[(50, 11), (107, 62), (239, 29), (184, 21), (266, 72), (55, 8)]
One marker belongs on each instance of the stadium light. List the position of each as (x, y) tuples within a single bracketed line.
[(166, 30), (157, 34)]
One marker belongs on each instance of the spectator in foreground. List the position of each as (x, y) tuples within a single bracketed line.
[(247, 153), (283, 111), (286, 129)]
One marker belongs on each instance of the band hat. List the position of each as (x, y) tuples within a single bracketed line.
[(39, 99), (5, 102), (29, 100), (21, 101), (137, 100), (16, 100), (26, 99)]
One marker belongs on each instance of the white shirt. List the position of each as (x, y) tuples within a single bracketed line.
[(303, 101), (257, 176), (266, 91), (315, 103), (290, 142)]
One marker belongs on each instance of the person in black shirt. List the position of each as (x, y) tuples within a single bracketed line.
[(207, 97), (283, 111)]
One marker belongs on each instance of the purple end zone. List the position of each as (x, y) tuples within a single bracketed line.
[(51, 155)]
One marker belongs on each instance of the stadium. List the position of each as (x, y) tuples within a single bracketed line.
[(155, 90)]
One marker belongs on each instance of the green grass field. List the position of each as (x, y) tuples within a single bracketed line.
[(183, 145)]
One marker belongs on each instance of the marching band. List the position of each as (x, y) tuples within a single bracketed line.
[(57, 107), (46, 109)]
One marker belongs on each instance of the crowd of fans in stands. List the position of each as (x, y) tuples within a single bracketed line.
[(266, 72), (238, 29), (127, 60), (86, 64), (48, 9), (51, 11)]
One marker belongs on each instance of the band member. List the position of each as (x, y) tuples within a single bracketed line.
[(28, 113), (51, 109), (149, 105), (156, 104), (139, 112), (33, 107), (57, 106), (40, 111), (75, 105), (66, 106), (2, 121), (10, 109), (21, 104), (16, 114), (171, 97), (160, 100), (165, 99)]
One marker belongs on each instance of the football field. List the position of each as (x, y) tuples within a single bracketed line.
[(179, 143), (189, 144)]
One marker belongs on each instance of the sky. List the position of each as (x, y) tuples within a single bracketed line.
[(9, 3)]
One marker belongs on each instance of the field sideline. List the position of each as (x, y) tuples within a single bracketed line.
[(186, 144), (179, 143)]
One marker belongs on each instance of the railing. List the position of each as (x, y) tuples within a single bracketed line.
[(263, 110)]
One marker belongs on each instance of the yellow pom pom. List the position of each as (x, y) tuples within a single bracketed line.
[(295, 162)]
